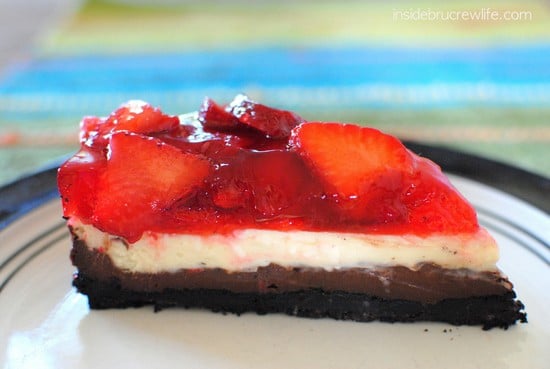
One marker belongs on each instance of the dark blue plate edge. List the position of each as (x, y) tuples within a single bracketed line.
[(23, 195), (27, 193)]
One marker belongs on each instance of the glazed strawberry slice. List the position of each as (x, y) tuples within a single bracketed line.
[(142, 179), (92, 127), (274, 123), (214, 117), (95, 131), (135, 116), (374, 179), (348, 157), (362, 168), (140, 117), (77, 180)]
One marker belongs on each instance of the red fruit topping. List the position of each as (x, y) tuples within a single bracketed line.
[(267, 184), (348, 157), (274, 123), (135, 116), (212, 116), (435, 204), (232, 195), (375, 180), (279, 181), (143, 178), (141, 170), (139, 117), (77, 180), (91, 127)]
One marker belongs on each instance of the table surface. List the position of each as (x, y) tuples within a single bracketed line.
[(477, 86)]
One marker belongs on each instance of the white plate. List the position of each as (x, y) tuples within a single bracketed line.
[(46, 324)]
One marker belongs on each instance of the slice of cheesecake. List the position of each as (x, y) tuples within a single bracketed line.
[(250, 208)]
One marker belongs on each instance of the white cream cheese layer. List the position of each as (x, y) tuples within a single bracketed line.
[(249, 249)]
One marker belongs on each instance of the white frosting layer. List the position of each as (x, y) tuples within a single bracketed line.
[(249, 249)]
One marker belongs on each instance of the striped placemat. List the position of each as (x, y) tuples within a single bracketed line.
[(483, 95)]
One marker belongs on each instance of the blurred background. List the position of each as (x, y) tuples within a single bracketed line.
[(470, 75)]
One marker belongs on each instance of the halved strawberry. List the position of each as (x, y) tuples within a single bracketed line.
[(374, 179), (348, 157), (212, 116), (140, 117), (143, 177), (274, 123)]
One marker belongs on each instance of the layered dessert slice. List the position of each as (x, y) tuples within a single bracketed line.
[(244, 207)]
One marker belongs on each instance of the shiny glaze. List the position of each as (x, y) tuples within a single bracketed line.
[(259, 181)]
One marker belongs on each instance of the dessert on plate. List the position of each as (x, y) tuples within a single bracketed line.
[(245, 207)]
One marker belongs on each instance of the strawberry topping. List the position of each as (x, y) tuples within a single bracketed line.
[(77, 182), (247, 165), (351, 159), (135, 116), (143, 178), (140, 117)]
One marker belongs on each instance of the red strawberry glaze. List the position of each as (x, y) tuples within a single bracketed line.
[(139, 172)]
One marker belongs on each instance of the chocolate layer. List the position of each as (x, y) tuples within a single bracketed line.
[(428, 284), (488, 311)]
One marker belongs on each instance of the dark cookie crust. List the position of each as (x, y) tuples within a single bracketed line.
[(488, 311)]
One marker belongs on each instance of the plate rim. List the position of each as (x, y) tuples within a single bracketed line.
[(24, 194)]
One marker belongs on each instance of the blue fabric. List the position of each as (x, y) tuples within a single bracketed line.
[(347, 76), (276, 67)]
